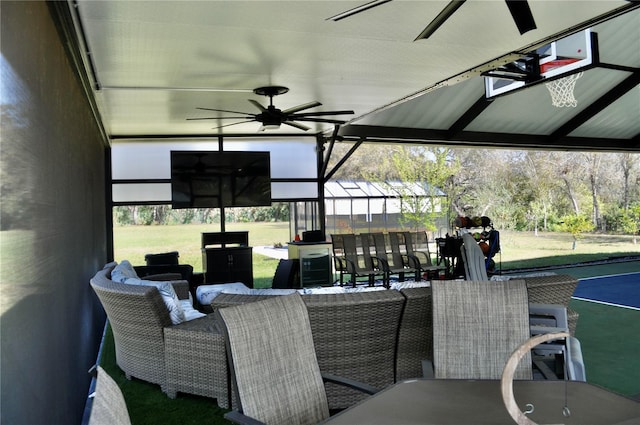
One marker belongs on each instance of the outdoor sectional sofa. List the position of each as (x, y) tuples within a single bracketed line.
[(189, 357), (374, 335)]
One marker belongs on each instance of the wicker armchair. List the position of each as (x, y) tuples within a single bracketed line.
[(188, 357)]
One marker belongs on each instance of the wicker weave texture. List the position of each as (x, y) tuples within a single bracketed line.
[(189, 357), (355, 337), (415, 335), (137, 315), (554, 289), (196, 360)]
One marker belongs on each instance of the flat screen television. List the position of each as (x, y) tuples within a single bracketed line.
[(214, 179)]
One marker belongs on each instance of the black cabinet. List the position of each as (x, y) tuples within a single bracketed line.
[(226, 257), (229, 264)]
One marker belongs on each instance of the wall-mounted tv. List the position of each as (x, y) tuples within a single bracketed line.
[(215, 179)]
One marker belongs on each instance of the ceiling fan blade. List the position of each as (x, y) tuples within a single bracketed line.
[(217, 118), (445, 14), (522, 16), (327, 120), (302, 107), (257, 105), (318, 114), (358, 9), (235, 123), (296, 125), (224, 110)]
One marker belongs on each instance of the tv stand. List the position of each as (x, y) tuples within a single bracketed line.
[(227, 257)]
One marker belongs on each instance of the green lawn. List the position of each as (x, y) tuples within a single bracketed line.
[(519, 249), (133, 242)]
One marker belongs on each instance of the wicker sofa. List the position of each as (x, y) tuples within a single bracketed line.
[(374, 337), (378, 337), (188, 357)]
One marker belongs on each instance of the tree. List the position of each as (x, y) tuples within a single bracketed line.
[(593, 163), (576, 224), (630, 221), (628, 163), (430, 168)]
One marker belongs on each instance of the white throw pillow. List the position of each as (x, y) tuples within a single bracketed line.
[(265, 291), (206, 293), (323, 290), (124, 273), (190, 313), (364, 289), (169, 297), (404, 285)]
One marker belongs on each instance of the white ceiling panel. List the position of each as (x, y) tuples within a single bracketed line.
[(154, 62)]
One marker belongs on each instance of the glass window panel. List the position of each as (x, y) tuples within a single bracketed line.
[(342, 207), (288, 190), (348, 184), (290, 158), (393, 205), (141, 192), (376, 205)]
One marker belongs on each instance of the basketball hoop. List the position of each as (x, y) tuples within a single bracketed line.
[(561, 91)]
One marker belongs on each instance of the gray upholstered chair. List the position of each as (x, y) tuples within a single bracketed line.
[(473, 258), (273, 363), (476, 327), (109, 407)]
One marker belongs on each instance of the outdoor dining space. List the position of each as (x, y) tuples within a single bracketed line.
[(417, 349)]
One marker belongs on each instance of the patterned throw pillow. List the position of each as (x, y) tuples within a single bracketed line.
[(124, 273)]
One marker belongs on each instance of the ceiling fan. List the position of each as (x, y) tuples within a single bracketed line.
[(272, 117), (520, 11)]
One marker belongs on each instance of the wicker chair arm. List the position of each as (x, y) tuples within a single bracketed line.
[(356, 385)]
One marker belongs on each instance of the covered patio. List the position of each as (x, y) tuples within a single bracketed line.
[(84, 79)]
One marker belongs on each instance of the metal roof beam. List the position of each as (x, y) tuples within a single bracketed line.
[(467, 118), (382, 134)]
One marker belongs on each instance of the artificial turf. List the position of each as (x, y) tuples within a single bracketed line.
[(608, 335)]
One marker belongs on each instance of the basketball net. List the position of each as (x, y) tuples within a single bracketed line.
[(561, 91)]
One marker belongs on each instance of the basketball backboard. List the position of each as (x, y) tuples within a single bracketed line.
[(555, 60)]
